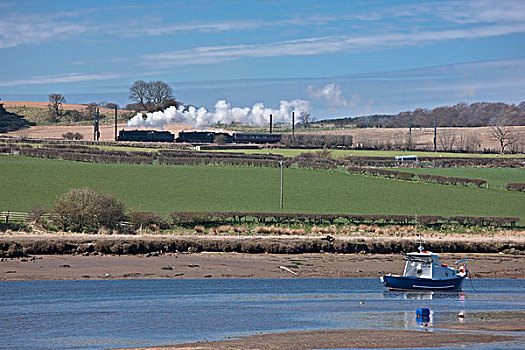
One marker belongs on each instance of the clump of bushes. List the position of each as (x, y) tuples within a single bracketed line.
[(515, 186), (73, 136), (143, 220), (273, 230), (85, 210), (317, 140), (408, 176)]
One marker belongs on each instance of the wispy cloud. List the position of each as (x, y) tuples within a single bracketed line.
[(323, 45), (62, 78), (35, 30), (17, 29)]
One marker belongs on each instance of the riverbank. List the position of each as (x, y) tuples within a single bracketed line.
[(238, 265), (351, 338), (477, 328), (359, 338)]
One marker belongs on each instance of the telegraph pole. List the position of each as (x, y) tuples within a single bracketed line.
[(435, 134), (281, 163), (116, 115)]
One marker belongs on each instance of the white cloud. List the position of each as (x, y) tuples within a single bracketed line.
[(324, 45), (36, 30), (332, 93), (62, 78)]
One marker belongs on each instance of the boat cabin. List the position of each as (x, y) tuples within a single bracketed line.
[(427, 265)]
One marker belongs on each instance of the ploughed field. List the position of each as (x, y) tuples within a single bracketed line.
[(162, 189)]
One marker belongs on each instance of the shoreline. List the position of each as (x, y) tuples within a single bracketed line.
[(216, 265), (449, 335), (342, 339)]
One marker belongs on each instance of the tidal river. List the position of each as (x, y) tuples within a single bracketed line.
[(129, 313)]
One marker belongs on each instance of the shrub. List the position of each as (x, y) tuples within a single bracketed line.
[(85, 210), (36, 214), (73, 136), (146, 220), (515, 186), (199, 229)]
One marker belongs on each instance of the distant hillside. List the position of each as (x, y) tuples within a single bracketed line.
[(36, 113), (11, 121), (459, 115)]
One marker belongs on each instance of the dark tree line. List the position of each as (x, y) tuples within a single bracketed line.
[(458, 115)]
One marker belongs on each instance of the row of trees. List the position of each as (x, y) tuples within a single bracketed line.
[(458, 115)]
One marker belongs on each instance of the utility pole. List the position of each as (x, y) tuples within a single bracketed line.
[(410, 132), (281, 163), (116, 123), (293, 124), (96, 130), (435, 134)]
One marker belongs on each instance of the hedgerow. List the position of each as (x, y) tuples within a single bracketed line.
[(191, 219), (515, 186), (408, 176)]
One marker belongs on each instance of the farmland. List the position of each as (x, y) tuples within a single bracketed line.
[(27, 182), (289, 152), (496, 177)]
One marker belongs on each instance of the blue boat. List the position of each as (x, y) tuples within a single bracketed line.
[(424, 271)]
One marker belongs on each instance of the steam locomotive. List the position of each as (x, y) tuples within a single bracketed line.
[(197, 137)]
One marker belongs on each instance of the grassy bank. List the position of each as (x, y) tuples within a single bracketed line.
[(162, 189), (21, 246)]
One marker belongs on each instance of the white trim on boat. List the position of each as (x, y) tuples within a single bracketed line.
[(430, 287)]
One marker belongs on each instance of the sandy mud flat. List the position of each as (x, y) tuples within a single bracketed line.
[(238, 265)]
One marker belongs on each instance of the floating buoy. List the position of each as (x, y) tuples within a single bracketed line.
[(362, 303), (423, 315)]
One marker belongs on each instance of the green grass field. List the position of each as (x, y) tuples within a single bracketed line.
[(496, 177), (292, 152), (33, 181)]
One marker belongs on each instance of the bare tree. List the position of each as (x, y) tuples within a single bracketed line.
[(469, 142), (159, 93), (502, 132), (447, 139), (54, 106), (139, 92), (150, 95), (305, 119)]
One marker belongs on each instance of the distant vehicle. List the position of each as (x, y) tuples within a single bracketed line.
[(145, 136), (203, 137), (400, 160), (211, 136), (256, 138)]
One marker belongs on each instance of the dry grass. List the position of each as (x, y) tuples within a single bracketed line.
[(422, 137)]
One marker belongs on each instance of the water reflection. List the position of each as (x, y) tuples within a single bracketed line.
[(425, 295), (110, 314)]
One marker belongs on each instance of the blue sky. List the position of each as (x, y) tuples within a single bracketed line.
[(346, 58)]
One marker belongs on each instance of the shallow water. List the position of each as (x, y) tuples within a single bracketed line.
[(105, 314)]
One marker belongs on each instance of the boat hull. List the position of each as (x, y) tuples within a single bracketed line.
[(415, 283)]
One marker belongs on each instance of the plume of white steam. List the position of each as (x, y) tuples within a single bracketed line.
[(224, 114), (332, 93)]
